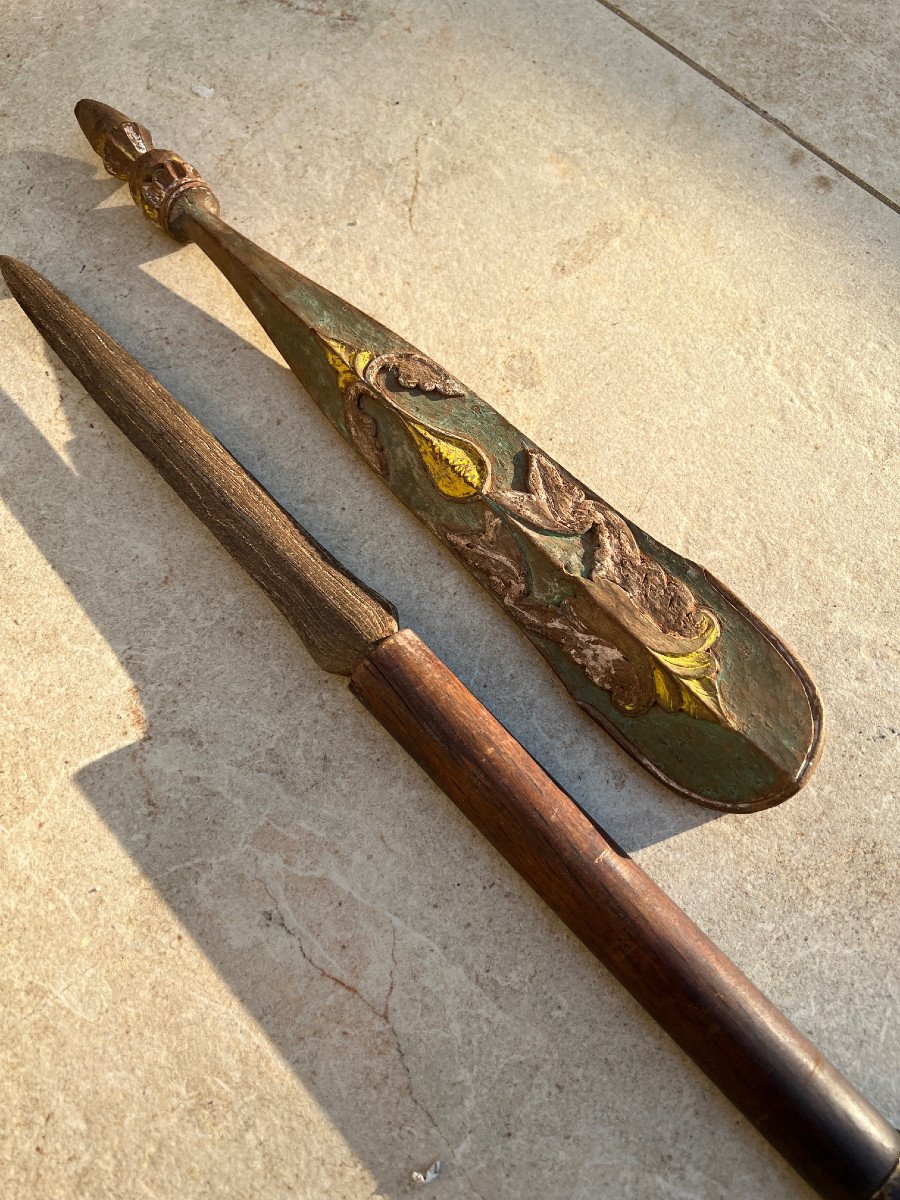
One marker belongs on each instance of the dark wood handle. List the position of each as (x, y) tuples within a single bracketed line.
[(808, 1111)]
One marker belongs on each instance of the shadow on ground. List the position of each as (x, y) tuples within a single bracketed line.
[(336, 891), (253, 837)]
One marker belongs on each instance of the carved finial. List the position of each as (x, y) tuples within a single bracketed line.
[(156, 178)]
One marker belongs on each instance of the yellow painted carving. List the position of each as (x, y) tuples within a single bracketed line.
[(687, 682), (452, 467), (456, 467), (348, 363)]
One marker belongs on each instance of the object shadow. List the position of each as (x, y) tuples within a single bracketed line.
[(287, 444), (249, 837)]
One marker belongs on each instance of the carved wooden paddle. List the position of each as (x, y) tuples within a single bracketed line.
[(665, 658), (792, 1094)]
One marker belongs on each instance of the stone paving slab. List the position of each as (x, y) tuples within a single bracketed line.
[(828, 71), (249, 949)]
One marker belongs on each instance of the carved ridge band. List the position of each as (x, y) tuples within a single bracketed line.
[(158, 178)]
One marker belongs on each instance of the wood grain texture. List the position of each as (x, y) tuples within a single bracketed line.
[(337, 617), (801, 1103)]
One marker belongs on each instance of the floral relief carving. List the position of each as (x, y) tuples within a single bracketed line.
[(633, 629)]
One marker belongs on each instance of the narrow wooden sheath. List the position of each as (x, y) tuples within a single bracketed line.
[(658, 652), (800, 1102), (809, 1112)]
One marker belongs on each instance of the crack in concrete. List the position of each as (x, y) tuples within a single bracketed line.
[(417, 174), (318, 9), (417, 147), (742, 98), (57, 993), (276, 916)]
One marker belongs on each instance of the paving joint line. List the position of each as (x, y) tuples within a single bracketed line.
[(778, 124)]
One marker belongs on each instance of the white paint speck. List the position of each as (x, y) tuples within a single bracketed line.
[(429, 1174)]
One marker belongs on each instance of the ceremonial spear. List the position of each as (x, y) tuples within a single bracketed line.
[(798, 1100), (662, 655)]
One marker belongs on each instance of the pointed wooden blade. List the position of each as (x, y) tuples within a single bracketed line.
[(338, 618)]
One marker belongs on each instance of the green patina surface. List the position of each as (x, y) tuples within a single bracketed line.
[(736, 725)]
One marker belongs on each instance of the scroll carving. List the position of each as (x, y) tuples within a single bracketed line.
[(634, 630)]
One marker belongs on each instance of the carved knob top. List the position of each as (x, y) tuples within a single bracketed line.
[(156, 178)]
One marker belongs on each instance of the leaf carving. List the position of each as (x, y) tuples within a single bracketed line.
[(494, 555), (349, 363), (688, 682), (362, 429), (415, 372), (617, 557), (551, 501), (455, 466)]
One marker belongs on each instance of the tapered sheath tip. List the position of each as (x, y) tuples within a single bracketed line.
[(21, 279), (12, 269)]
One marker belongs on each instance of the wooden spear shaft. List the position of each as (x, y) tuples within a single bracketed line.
[(798, 1100)]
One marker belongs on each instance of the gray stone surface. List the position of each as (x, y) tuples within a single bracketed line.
[(828, 70), (249, 950)]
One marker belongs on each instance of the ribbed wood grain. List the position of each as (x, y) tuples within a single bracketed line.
[(336, 615)]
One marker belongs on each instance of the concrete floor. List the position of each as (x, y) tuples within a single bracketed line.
[(826, 71), (249, 949)]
